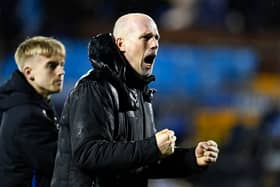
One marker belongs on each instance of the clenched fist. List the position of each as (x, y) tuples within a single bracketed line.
[(206, 152), (166, 141)]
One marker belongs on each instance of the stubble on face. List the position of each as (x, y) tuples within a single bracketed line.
[(43, 75)]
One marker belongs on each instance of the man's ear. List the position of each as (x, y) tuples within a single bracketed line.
[(120, 43), (27, 71)]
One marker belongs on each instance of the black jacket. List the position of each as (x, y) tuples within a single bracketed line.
[(106, 136), (28, 135)]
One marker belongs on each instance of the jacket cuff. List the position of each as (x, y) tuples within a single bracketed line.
[(193, 162), (151, 149)]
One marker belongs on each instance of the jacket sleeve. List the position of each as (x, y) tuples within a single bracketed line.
[(93, 117), (36, 140), (180, 164)]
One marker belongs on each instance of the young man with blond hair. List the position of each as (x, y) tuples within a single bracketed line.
[(28, 130)]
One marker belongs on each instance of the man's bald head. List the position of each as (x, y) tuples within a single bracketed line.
[(137, 37), (125, 23)]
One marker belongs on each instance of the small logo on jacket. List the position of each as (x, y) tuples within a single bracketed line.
[(45, 113)]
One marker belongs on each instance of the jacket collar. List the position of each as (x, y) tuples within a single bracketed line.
[(17, 91), (134, 80), (109, 64), (107, 59)]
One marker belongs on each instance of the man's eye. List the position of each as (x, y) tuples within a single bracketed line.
[(157, 37), (52, 65), (147, 37)]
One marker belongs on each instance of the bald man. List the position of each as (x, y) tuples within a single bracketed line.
[(107, 135)]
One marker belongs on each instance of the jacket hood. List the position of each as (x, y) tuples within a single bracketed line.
[(103, 53), (105, 56), (110, 64), (17, 91)]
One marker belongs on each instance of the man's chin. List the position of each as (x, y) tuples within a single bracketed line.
[(56, 90), (147, 74)]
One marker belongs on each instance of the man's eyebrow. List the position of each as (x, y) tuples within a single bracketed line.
[(56, 61), (145, 35), (149, 34)]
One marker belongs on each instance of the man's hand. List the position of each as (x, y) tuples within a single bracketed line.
[(206, 153), (166, 141)]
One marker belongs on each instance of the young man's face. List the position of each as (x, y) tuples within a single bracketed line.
[(141, 45), (46, 74)]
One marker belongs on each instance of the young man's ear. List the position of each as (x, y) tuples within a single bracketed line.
[(120, 43), (27, 71)]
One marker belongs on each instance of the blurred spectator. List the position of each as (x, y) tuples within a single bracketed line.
[(71, 17), (243, 15), (62, 17), (212, 13), (11, 26), (269, 145), (84, 14), (182, 14), (153, 8), (253, 15), (269, 10), (19, 19), (30, 12)]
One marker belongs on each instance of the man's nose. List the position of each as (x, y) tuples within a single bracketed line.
[(61, 70), (154, 43)]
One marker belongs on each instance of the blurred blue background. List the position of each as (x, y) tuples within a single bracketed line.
[(217, 73)]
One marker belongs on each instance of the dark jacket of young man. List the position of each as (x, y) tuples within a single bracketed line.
[(106, 136), (28, 135)]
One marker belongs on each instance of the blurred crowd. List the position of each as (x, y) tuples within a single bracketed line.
[(251, 156), (21, 18)]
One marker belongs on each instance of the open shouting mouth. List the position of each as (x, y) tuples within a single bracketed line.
[(149, 59)]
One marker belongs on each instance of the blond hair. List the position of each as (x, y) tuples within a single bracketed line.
[(38, 45)]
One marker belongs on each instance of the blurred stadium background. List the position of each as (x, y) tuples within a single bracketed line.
[(217, 72)]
